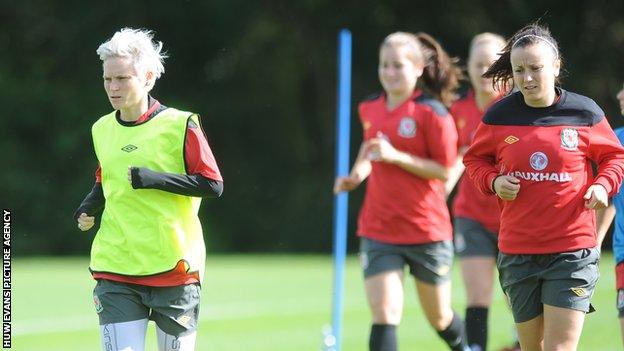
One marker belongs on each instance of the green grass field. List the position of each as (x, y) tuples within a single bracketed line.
[(257, 303)]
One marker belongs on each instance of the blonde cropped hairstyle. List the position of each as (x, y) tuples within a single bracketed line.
[(486, 38), (441, 74), (137, 44)]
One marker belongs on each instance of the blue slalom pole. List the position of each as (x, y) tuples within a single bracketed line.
[(341, 201)]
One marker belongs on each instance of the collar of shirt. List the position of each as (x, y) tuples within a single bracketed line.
[(153, 106)]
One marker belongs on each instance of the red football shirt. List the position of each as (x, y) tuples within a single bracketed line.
[(469, 202), (400, 207), (550, 151)]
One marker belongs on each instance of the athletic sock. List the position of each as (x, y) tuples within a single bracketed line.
[(477, 327), (454, 334), (383, 338)]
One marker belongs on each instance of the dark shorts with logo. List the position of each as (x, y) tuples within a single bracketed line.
[(472, 239), (430, 262), (564, 280), (174, 309)]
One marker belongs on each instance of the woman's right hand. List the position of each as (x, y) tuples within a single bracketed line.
[(346, 184), (506, 187), (85, 222)]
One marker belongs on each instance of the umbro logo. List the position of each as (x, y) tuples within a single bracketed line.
[(511, 139), (129, 148), (580, 292), (184, 320), (442, 270)]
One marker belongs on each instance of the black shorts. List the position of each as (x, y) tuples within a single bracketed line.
[(429, 262), (472, 239), (564, 280), (174, 309)]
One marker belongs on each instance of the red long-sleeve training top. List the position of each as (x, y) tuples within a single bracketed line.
[(550, 151), (400, 207), (469, 202)]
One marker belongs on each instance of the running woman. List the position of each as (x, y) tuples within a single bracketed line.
[(533, 150), (604, 219), (476, 216), (409, 145), (155, 165)]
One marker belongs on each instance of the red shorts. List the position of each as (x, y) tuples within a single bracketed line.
[(619, 276)]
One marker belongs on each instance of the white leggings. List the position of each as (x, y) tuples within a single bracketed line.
[(130, 336)]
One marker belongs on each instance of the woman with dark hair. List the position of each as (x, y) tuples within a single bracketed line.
[(409, 145), (533, 150)]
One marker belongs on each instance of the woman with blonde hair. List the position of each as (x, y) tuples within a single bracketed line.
[(155, 165), (475, 215)]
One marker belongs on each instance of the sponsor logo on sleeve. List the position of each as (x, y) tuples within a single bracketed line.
[(407, 127)]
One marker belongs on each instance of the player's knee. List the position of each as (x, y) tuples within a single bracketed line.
[(386, 313), (440, 320)]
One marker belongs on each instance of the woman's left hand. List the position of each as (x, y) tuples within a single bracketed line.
[(596, 197), (379, 149)]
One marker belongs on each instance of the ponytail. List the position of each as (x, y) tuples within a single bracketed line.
[(441, 74), (500, 71)]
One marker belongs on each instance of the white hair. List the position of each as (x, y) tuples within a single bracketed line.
[(138, 45)]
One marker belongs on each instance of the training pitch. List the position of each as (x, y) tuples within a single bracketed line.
[(258, 303)]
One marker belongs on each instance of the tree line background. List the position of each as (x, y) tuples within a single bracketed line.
[(262, 75)]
